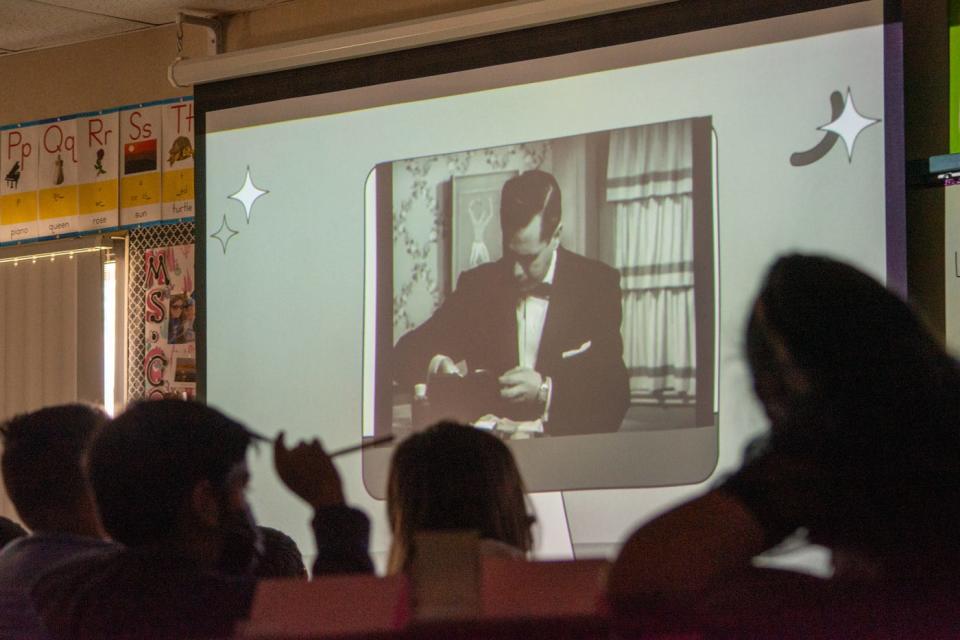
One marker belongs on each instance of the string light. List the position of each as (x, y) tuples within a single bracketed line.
[(52, 255)]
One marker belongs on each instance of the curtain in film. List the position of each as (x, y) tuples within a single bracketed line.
[(649, 186)]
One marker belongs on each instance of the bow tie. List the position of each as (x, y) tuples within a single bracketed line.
[(541, 290)]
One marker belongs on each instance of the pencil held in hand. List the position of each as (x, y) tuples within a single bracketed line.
[(308, 472)]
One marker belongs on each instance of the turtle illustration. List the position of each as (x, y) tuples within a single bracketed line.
[(181, 149)]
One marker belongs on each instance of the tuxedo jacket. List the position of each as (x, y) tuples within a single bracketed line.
[(581, 348)]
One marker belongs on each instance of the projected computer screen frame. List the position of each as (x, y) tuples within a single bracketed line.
[(590, 33)]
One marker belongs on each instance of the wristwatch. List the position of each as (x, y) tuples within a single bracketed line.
[(543, 394)]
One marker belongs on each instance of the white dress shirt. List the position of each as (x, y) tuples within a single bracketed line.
[(531, 315)]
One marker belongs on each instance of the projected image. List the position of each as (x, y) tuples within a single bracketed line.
[(551, 288)]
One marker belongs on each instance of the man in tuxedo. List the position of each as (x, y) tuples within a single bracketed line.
[(543, 321)]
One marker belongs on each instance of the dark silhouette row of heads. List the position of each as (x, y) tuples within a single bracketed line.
[(141, 527)]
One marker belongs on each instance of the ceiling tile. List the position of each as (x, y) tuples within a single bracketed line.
[(32, 24), (28, 25), (161, 11)]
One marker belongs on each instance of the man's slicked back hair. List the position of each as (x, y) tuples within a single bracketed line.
[(146, 462), (527, 195), (43, 460)]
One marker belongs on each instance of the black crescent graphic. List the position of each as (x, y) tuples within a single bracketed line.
[(803, 158)]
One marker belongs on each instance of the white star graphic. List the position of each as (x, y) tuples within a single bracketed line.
[(248, 194), (224, 233), (849, 125)]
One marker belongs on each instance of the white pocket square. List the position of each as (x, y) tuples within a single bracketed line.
[(575, 352)]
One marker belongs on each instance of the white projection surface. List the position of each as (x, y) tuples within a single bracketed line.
[(287, 271)]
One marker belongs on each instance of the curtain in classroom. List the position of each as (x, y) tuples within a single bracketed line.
[(650, 189), (51, 327)]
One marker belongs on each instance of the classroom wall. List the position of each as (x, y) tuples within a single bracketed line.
[(92, 75), (951, 274), (927, 133), (300, 19)]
